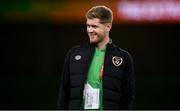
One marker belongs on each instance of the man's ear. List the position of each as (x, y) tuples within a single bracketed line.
[(108, 26)]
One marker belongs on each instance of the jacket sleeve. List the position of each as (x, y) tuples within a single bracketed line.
[(63, 95), (128, 84)]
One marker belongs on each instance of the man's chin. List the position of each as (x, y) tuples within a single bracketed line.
[(93, 42)]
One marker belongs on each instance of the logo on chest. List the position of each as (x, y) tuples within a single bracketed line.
[(77, 57), (117, 61)]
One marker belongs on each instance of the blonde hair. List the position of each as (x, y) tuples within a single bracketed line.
[(103, 13)]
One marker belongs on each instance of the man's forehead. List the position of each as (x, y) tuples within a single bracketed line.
[(93, 21)]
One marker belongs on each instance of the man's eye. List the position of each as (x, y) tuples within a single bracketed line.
[(94, 26)]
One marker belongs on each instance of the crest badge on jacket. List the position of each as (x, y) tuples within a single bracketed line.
[(117, 61)]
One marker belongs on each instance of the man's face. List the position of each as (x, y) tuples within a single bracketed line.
[(96, 30)]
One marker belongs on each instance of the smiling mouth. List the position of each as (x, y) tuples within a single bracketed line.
[(92, 34)]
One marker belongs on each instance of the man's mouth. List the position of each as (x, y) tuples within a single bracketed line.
[(91, 35)]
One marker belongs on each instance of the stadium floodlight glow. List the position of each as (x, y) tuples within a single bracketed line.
[(149, 10)]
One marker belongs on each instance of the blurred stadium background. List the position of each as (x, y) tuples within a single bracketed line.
[(35, 35)]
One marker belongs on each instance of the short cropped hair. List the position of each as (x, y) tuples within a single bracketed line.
[(103, 13)]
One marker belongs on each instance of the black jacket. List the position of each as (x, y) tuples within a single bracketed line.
[(118, 81)]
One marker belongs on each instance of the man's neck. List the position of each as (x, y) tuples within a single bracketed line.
[(103, 44)]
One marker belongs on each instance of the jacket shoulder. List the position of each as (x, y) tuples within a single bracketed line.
[(77, 48), (120, 50)]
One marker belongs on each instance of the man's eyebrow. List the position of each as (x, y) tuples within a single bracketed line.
[(91, 25)]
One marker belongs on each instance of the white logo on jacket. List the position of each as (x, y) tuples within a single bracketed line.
[(117, 61), (77, 57)]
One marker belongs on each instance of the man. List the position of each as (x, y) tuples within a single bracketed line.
[(97, 75)]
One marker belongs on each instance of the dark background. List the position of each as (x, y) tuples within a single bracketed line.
[(32, 54)]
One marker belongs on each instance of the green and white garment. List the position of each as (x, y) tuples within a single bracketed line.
[(92, 98)]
